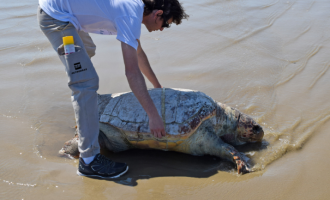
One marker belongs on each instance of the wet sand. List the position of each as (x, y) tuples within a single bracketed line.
[(269, 59)]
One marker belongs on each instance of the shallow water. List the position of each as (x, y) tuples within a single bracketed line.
[(269, 59)]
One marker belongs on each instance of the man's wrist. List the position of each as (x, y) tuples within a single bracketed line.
[(152, 113), (158, 86)]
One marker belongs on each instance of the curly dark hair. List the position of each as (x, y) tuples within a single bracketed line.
[(170, 8)]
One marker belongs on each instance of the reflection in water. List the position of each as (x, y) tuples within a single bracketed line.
[(147, 164)]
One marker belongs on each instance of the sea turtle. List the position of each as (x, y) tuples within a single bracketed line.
[(194, 124)]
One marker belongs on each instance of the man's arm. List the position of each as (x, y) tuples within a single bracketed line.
[(139, 88), (145, 67)]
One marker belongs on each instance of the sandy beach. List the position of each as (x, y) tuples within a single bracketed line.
[(269, 59)]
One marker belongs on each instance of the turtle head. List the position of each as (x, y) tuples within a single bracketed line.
[(248, 130)]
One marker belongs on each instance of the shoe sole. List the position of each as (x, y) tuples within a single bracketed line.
[(103, 177)]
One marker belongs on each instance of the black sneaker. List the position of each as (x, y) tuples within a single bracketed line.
[(101, 167)]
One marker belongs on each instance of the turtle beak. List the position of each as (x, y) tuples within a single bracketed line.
[(258, 133)]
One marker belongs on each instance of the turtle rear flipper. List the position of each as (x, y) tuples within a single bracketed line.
[(70, 148)]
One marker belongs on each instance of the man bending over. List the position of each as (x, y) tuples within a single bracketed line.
[(77, 18)]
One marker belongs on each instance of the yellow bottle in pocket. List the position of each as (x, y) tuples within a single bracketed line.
[(68, 44)]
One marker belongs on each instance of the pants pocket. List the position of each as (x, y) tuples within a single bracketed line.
[(79, 67)]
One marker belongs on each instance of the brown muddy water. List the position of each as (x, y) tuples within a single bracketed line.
[(270, 59)]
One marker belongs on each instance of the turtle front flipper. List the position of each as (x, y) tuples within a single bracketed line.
[(233, 155), (216, 147), (205, 141)]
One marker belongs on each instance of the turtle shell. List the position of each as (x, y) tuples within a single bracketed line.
[(182, 112)]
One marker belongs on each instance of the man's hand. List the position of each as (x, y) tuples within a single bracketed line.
[(156, 126)]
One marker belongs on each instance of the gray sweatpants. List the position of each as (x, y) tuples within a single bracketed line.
[(83, 79)]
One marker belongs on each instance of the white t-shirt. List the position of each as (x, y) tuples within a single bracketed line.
[(109, 17)]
